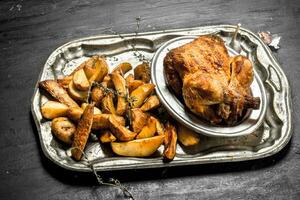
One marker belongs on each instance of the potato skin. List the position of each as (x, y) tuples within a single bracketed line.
[(170, 142), (148, 130), (142, 72), (106, 137), (101, 121), (138, 96), (120, 86), (132, 85), (97, 95), (82, 133), (138, 119), (107, 104), (123, 68), (120, 131), (101, 69), (58, 92), (63, 129), (151, 103)]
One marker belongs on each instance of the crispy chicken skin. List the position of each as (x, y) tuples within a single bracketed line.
[(213, 85)]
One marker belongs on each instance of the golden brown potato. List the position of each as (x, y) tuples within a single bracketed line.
[(89, 67), (96, 110), (151, 103), (106, 136), (123, 68), (138, 96), (80, 80), (56, 91), (138, 119), (120, 87), (74, 114), (97, 95), (54, 109), (101, 121), (142, 72), (101, 69), (138, 148), (159, 127), (187, 137), (170, 142), (63, 129), (132, 85), (119, 131), (107, 82), (77, 94), (129, 78), (107, 104), (82, 132), (64, 82), (148, 130)]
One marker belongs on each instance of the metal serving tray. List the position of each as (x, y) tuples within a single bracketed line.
[(268, 139)]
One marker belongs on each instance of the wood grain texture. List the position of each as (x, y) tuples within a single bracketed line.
[(30, 30)]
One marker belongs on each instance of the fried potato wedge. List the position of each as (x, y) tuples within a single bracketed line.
[(138, 96), (107, 104), (138, 119), (101, 69), (97, 95), (89, 67), (159, 127), (142, 72), (148, 130), (96, 110), (74, 114), (187, 137), (80, 80), (56, 91), (106, 136), (64, 82), (138, 148), (77, 94), (107, 82), (132, 85), (120, 87), (82, 132), (63, 129), (123, 68), (151, 103), (54, 109), (120, 131), (170, 142), (101, 121), (129, 78)]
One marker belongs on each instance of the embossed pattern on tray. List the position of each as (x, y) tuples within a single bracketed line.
[(271, 137)]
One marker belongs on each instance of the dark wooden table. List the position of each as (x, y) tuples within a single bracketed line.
[(31, 30)]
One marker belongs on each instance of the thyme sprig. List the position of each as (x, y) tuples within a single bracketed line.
[(106, 90), (141, 57), (111, 182)]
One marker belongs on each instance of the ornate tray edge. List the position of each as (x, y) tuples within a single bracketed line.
[(283, 141)]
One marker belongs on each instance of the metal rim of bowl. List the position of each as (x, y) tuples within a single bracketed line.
[(193, 122)]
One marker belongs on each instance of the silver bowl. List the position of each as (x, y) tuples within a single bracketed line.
[(176, 109)]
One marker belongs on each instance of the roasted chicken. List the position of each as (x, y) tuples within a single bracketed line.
[(212, 84)]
